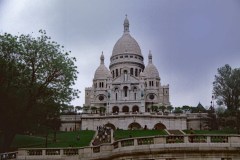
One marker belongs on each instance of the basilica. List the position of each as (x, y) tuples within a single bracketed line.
[(128, 85), (128, 94)]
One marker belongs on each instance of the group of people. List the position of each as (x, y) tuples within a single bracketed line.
[(103, 135)]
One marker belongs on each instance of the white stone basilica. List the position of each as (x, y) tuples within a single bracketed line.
[(128, 86), (128, 95)]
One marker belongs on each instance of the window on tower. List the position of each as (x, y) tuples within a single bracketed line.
[(131, 71), (116, 72), (125, 89), (136, 72)]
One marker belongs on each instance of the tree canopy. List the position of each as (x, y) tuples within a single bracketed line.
[(226, 87), (36, 76)]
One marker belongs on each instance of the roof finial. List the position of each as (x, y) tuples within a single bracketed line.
[(126, 25), (150, 57), (102, 58)]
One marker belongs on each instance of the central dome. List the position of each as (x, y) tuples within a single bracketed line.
[(126, 44)]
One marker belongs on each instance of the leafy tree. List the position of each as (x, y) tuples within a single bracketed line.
[(36, 76), (186, 108), (170, 108), (79, 108), (102, 110), (226, 86), (162, 108), (178, 110)]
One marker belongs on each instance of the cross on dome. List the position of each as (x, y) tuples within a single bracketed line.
[(126, 25), (150, 57), (102, 58)]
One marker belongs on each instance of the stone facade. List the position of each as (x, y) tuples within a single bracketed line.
[(127, 86), (125, 95)]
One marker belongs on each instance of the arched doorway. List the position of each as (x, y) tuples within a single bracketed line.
[(135, 109), (134, 126), (125, 109), (115, 109), (110, 125), (159, 126)]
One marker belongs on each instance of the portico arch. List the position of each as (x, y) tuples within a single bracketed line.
[(135, 109), (159, 126), (115, 109), (125, 109), (110, 125), (134, 126)]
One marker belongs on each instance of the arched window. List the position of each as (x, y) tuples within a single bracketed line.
[(135, 96), (113, 74), (125, 89), (136, 72), (125, 109), (115, 109), (131, 71), (135, 109), (116, 72), (116, 96)]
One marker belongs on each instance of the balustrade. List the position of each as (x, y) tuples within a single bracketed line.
[(35, 152), (171, 139), (129, 142), (96, 149), (71, 151), (53, 152), (175, 139), (145, 141), (197, 139), (219, 139), (115, 145)]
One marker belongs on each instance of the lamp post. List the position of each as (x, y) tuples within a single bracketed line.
[(75, 118), (200, 116)]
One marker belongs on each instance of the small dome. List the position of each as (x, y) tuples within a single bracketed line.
[(102, 72), (151, 71)]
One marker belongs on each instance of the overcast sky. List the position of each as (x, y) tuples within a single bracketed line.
[(189, 39)]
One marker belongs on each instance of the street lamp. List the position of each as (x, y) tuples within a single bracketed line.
[(75, 117), (200, 116)]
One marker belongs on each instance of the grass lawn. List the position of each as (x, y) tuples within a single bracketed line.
[(211, 132), (120, 134), (64, 139)]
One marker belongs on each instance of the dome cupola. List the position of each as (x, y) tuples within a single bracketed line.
[(151, 71), (126, 25), (102, 72), (126, 50)]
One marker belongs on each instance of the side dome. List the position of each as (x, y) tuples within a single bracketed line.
[(102, 72), (126, 44), (151, 71)]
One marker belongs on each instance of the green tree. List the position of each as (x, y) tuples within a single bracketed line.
[(226, 87), (36, 76), (170, 108), (178, 110)]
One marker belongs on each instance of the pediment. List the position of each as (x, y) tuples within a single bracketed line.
[(128, 79)]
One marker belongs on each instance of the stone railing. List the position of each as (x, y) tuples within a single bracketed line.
[(8, 155), (131, 145)]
